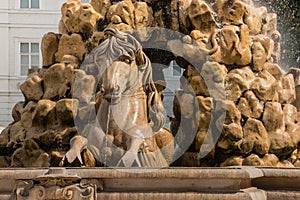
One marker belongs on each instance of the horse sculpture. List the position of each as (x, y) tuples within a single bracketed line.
[(130, 117)]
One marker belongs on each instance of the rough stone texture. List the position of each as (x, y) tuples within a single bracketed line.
[(70, 45), (121, 15), (165, 141), (101, 6), (255, 18), (214, 75), (232, 93), (275, 70), (233, 48), (188, 50), (66, 109), (290, 117), (261, 48), (35, 157), (233, 131), (270, 160), (26, 116), (49, 47), (143, 15), (32, 88), (194, 82), (273, 117), (253, 160), (58, 81), (201, 17), (84, 85), (233, 115), (44, 111), (265, 86), (205, 104), (93, 42), (238, 81), (288, 93), (296, 74), (250, 106), (231, 13), (255, 138), (79, 17), (233, 161), (17, 111)]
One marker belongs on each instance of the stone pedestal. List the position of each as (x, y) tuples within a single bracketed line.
[(172, 183)]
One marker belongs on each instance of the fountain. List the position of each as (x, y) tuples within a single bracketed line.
[(96, 103)]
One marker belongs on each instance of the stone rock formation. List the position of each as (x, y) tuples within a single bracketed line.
[(235, 105)]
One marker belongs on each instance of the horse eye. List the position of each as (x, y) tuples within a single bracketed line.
[(127, 61)]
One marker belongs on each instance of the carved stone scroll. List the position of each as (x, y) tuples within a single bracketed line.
[(56, 185)]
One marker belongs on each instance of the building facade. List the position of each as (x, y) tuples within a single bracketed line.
[(22, 26)]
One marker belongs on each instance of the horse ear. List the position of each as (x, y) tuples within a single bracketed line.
[(140, 57)]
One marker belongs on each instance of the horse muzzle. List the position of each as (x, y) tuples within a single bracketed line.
[(112, 98), (111, 95)]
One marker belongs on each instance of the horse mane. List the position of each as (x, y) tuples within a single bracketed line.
[(118, 44)]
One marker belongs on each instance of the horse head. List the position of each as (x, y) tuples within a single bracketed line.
[(123, 68), (121, 78)]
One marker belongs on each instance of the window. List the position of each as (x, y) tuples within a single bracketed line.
[(29, 3), (29, 56), (177, 71)]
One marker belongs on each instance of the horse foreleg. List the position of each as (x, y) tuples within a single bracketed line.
[(131, 154), (78, 144), (128, 159)]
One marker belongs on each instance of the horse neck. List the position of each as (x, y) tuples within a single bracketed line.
[(137, 103), (131, 110)]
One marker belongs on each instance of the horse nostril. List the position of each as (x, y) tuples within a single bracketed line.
[(102, 90)]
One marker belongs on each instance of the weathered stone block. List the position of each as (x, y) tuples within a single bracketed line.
[(288, 93), (261, 48), (214, 75), (58, 81), (233, 131), (79, 17), (101, 6), (84, 87), (42, 112), (270, 160), (49, 47), (233, 115), (234, 45), (70, 45), (255, 138), (250, 106), (17, 111), (205, 103), (26, 116), (232, 161), (201, 16), (30, 155), (237, 81), (32, 88), (67, 109), (253, 160), (265, 87), (273, 117), (255, 18)]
